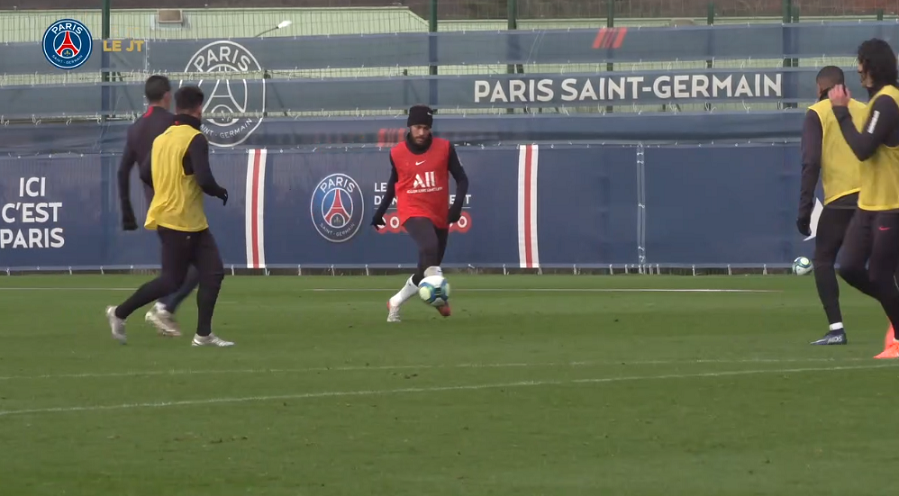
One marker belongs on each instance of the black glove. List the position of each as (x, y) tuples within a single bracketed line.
[(804, 224), (129, 223), (223, 196), (454, 216), (378, 220)]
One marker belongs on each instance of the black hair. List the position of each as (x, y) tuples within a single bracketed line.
[(188, 98), (156, 87), (879, 61), (828, 77)]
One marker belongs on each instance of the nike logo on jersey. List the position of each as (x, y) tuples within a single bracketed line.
[(419, 163)]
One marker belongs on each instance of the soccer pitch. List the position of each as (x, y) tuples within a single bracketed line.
[(537, 385)]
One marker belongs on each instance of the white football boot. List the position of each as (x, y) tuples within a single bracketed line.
[(210, 340), (393, 313), (163, 321), (117, 325)]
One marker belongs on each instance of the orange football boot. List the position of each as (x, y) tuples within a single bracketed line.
[(891, 352), (890, 338), (445, 310)]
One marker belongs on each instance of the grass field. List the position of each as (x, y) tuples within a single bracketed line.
[(584, 390)]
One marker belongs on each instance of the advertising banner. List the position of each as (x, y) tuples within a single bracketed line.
[(528, 206), (274, 96)]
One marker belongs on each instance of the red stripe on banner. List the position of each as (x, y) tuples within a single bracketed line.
[(254, 226), (599, 38), (620, 38), (528, 170)]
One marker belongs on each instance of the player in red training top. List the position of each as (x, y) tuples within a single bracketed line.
[(419, 180)]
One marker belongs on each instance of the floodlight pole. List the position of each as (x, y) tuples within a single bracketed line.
[(265, 73)]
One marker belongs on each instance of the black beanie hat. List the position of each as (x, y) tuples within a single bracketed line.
[(420, 114)]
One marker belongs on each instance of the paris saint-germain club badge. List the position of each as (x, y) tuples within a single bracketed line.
[(67, 44)]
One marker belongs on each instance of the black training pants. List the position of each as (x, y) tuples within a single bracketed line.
[(180, 250), (832, 227), (431, 243), (873, 238)]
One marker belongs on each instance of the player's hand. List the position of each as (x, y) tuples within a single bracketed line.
[(804, 225), (378, 221), (129, 223), (223, 196), (839, 96), (454, 217)]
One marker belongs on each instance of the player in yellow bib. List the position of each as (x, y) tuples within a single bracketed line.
[(872, 238), (179, 173), (826, 154)]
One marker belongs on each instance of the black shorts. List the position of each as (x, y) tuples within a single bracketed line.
[(182, 249)]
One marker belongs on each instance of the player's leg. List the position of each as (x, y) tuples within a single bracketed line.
[(161, 314), (175, 247), (831, 230), (211, 270), (442, 238), (855, 253), (882, 271), (421, 230)]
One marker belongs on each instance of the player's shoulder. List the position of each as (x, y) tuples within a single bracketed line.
[(441, 141)]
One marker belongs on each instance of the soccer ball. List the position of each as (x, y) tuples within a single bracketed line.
[(434, 290), (802, 266)]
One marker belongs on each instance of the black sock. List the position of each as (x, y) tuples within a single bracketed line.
[(146, 294), (207, 295)]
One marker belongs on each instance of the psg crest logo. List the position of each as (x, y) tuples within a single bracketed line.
[(337, 207), (67, 44), (227, 96)]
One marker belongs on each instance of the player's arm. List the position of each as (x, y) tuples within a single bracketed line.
[(458, 172), (883, 120), (129, 223), (812, 134), (389, 195), (196, 163), (145, 170)]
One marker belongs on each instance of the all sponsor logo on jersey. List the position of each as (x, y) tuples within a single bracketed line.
[(228, 96), (337, 207), (425, 182), (67, 44)]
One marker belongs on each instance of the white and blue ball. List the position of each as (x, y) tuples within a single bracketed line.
[(802, 266), (434, 290)]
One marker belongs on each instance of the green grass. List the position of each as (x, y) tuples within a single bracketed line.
[(519, 392)]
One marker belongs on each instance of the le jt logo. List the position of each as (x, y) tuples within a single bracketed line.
[(116, 45)]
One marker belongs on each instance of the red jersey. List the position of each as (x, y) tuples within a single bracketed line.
[(422, 185)]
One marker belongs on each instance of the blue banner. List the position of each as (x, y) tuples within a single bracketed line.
[(720, 205), (528, 206), (319, 205), (254, 98), (404, 50)]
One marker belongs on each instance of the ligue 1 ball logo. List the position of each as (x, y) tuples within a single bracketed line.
[(337, 207), (227, 96), (67, 44)]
